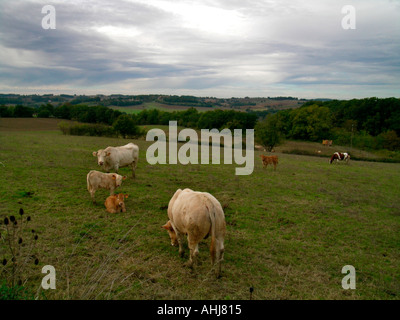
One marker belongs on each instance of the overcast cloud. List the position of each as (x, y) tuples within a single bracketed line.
[(222, 48)]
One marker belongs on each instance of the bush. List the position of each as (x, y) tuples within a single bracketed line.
[(126, 126), (84, 129)]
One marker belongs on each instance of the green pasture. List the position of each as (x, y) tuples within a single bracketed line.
[(156, 105), (289, 231)]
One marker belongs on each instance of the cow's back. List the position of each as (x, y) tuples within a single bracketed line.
[(123, 155), (189, 212), (97, 179)]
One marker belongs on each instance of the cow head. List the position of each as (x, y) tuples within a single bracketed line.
[(171, 232), (120, 200), (101, 156), (118, 179)]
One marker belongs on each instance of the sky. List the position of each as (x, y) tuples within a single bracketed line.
[(219, 48)]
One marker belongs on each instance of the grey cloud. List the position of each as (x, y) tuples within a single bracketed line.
[(283, 45)]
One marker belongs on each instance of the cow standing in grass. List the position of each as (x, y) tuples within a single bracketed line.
[(113, 158), (199, 215), (340, 157), (99, 180), (266, 160)]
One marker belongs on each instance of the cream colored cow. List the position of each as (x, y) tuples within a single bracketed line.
[(99, 180), (113, 158), (199, 215)]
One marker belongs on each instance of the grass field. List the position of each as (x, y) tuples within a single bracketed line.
[(161, 107), (289, 232)]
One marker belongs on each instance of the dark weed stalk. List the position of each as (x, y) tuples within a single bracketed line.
[(15, 256)]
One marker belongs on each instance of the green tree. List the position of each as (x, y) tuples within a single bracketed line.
[(126, 126), (45, 111), (267, 132), (311, 123), (389, 140), (23, 112)]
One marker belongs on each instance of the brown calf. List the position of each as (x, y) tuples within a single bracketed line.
[(266, 160), (115, 203)]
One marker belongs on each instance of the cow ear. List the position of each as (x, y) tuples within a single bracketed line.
[(114, 177), (94, 154), (165, 226), (126, 196), (124, 177), (108, 154)]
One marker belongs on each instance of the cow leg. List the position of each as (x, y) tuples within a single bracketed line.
[(133, 170), (219, 257), (179, 236), (194, 252), (92, 192)]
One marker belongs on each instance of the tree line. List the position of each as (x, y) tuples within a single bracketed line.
[(127, 125), (369, 123)]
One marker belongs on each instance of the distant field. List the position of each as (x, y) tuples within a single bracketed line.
[(29, 124), (161, 107), (284, 104)]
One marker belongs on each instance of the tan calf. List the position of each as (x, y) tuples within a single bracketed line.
[(99, 180)]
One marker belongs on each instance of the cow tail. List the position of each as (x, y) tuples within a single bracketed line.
[(211, 213), (88, 181)]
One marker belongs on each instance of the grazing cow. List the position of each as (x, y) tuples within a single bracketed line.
[(115, 203), (96, 180), (197, 214), (266, 160), (327, 142), (340, 157), (113, 158)]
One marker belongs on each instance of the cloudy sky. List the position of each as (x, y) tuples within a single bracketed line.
[(221, 48)]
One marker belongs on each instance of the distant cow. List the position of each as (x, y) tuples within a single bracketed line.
[(266, 160), (340, 157), (113, 158), (327, 142), (97, 180), (115, 203), (197, 214)]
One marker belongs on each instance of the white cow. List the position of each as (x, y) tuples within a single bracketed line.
[(113, 158), (197, 214), (96, 180)]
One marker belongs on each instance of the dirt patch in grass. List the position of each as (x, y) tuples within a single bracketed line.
[(29, 124)]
